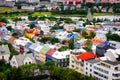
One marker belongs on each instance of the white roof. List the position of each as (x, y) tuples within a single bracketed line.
[(7, 37), (103, 58), (60, 55), (78, 50), (37, 49), (21, 41), (62, 35)]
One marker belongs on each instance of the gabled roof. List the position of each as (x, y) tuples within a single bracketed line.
[(20, 58), (50, 52), (86, 56)]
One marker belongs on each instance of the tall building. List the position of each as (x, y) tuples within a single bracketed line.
[(107, 70)]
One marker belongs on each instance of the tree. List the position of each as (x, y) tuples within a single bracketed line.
[(88, 46), (15, 34), (2, 76), (9, 28), (71, 44), (53, 40), (63, 48), (32, 26), (77, 30)]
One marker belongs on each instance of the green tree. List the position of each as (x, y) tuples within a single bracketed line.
[(53, 40), (32, 26), (88, 46), (15, 34), (71, 44), (63, 48), (9, 28), (2, 76), (77, 30)]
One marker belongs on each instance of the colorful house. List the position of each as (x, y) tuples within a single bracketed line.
[(43, 52), (49, 54)]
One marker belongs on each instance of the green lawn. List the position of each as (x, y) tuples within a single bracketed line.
[(50, 14), (102, 14), (41, 14)]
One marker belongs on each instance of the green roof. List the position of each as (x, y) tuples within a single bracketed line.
[(44, 49)]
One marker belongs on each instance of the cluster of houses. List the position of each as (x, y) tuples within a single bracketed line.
[(103, 62)]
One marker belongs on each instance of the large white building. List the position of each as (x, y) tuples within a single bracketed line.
[(102, 70), (107, 70)]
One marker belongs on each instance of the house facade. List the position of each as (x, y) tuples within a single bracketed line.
[(20, 59), (4, 52)]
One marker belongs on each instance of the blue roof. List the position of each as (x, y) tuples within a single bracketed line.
[(71, 35), (59, 30), (35, 22), (106, 42)]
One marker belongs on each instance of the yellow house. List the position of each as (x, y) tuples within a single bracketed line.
[(43, 52)]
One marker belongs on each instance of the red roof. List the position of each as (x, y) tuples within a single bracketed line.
[(50, 52), (2, 24), (86, 55)]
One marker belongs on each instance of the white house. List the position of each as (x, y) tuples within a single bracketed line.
[(114, 44), (4, 52), (22, 42), (69, 27), (20, 59), (35, 48), (61, 58)]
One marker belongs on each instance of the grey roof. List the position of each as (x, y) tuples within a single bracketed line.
[(101, 45), (21, 57), (112, 62), (4, 50), (92, 61)]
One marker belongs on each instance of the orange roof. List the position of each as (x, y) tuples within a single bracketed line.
[(97, 40), (86, 55), (12, 39)]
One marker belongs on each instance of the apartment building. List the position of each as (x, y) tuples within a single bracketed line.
[(89, 66), (107, 70), (77, 60)]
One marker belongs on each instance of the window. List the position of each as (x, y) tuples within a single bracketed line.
[(90, 65), (73, 66), (29, 62), (72, 61), (2, 57), (116, 68), (90, 69), (86, 73), (86, 68)]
